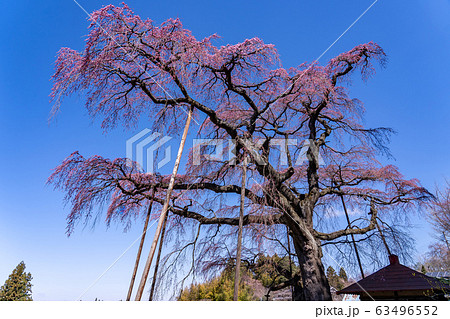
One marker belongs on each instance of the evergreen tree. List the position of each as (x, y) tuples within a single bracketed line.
[(333, 278), (423, 270), (343, 275), (331, 275), (18, 285), (273, 270)]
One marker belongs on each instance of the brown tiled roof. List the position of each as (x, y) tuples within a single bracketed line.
[(395, 277)]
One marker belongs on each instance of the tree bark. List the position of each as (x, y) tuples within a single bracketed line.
[(315, 283), (290, 260), (309, 254)]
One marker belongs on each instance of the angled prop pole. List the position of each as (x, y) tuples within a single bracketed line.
[(372, 207), (241, 224), (165, 208), (352, 236), (138, 257), (158, 257), (383, 238)]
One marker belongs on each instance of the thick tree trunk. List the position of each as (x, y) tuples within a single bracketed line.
[(297, 293), (314, 280)]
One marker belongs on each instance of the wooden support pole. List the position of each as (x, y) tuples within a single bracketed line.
[(383, 239), (241, 224), (158, 257), (353, 237), (372, 208), (165, 208), (138, 257)]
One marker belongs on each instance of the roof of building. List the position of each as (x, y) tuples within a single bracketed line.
[(395, 277)]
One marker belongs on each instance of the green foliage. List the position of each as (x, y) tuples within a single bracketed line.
[(273, 270), (18, 285), (332, 277), (335, 280), (270, 271), (423, 270), (343, 274), (220, 288)]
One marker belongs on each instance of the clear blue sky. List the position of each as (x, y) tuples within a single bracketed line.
[(410, 95)]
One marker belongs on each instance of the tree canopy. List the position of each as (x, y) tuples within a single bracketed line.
[(131, 68), (338, 281), (18, 285)]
